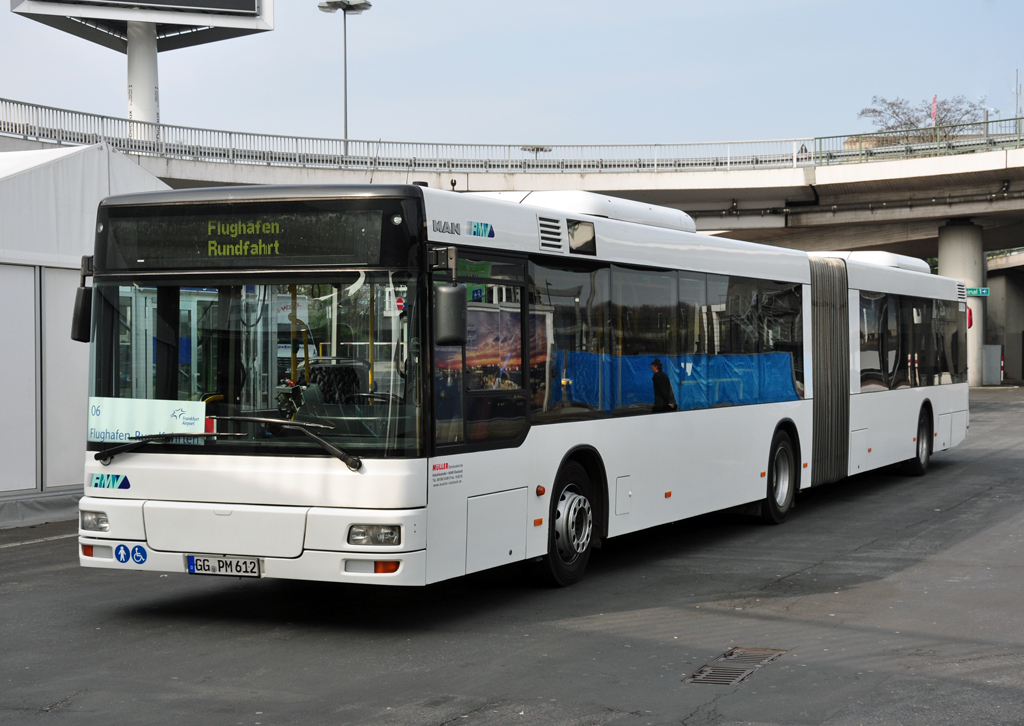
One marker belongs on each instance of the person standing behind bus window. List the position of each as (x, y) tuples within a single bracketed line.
[(664, 398)]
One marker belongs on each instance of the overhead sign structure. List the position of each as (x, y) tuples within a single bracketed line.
[(179, 23), (248, 7), (977, 292), (142, 28)]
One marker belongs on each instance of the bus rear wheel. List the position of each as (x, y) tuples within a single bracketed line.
[(923, 453), (782, 480), (571, 528)]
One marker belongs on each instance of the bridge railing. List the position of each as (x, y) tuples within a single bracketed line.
[(917, 143), (61, 126)]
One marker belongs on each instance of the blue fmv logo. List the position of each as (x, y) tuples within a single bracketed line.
[(110, 481), (480, 229)]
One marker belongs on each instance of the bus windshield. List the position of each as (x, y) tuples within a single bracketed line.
[(337, 351)]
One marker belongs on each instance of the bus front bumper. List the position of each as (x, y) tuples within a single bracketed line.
[(351, 567)]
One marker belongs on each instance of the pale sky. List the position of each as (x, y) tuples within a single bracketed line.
[(555, 72)]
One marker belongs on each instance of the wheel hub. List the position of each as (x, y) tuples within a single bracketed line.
[(782, 474), (574, 524)]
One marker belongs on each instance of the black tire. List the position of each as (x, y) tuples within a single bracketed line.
[(782, 480), (571, 528), (918, 465)]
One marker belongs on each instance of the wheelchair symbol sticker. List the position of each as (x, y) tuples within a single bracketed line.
[(138, 554), (121, 553)]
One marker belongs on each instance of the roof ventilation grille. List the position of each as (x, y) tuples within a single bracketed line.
[(550, 233), (961, 292)]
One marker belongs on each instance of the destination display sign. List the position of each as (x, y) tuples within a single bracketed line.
[(244, 239), (243, 7)]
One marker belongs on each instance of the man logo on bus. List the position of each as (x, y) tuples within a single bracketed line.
[(447, 227)]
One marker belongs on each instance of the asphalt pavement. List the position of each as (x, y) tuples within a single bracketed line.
[(897, 600)]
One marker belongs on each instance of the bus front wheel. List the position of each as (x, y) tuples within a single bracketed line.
[(782, 480), (571, 528)]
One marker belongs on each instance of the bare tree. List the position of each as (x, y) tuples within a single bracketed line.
[(895, 115), (899, 114), (958, 110)]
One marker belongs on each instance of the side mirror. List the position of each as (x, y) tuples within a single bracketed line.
[(450, 314), (81, 319)]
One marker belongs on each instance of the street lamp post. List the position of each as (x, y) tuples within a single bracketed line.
[(347, 7)]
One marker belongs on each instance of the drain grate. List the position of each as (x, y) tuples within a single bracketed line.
[(717, 675), (735, 665)]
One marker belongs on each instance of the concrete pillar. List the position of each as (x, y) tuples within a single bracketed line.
[(143, 79), (961, 256)]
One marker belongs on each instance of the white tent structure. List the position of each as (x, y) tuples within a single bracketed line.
[(48, 203)]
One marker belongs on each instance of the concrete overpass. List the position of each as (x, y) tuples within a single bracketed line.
[(949, 193)]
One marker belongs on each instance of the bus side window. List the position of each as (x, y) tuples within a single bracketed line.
[(495, 390), (948, 328), (926, 367), (733, 366), (448, 395), (570, 372), (901, 350), (872, 345), (782, 341), (479, 391), (644, 310), (691, 391)]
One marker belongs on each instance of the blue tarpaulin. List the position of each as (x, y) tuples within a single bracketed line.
[(733, 379), (607, 382), (587, 376), (777, 377)]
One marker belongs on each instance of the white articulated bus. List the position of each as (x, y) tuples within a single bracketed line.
[(401, 385)]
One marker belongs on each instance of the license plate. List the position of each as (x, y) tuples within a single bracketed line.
[(228, 566)]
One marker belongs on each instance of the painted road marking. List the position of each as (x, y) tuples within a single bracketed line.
[(36, 541)]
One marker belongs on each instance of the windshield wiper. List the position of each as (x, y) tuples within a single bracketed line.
[(352, 462), (281, 421), (137, 442)]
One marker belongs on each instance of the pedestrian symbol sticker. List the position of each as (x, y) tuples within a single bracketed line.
[(138, 554), (121, 553)]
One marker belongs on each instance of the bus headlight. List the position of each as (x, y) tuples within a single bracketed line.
[(95, 521), (375, 534)]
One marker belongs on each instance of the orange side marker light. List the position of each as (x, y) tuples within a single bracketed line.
[(540, 490), (538, 522), (805, 464), (668, 494), (385, 567), (762, 474), (869, 449), (87, 550)]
